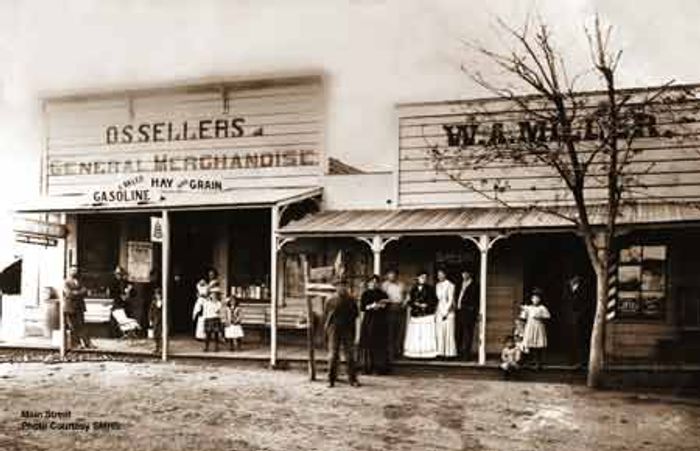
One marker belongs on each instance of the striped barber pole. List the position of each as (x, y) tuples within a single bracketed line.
[(611, 308)]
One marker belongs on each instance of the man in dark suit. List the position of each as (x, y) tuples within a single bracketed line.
[(467, 305), (340, 313), (578, 296), (74, 293)]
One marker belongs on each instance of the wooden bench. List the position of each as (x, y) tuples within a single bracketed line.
[(291, 317)]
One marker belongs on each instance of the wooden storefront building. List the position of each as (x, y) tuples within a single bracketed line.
[(236, 175)]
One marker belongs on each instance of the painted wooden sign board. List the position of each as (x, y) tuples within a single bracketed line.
[(665, 162), (146, 147)]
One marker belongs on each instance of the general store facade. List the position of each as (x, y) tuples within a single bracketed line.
[(236, 176)]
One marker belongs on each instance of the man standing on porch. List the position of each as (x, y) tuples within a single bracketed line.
[(467, 306), (582, 303), (74, 293), (396, 313)]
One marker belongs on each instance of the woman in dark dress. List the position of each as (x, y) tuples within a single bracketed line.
[(374, 328)]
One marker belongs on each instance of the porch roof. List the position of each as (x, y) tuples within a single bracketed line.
[(233, 198), (468, 220)]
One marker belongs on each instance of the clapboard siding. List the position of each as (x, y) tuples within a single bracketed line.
[(469, 198), (503, 292), (666, 167), (282, 124), (659, 156), (637, 341)]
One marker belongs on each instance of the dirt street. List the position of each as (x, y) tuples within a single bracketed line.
[(177, 406)]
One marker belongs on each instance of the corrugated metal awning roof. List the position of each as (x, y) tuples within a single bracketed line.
[(459, 220), (175, 200)]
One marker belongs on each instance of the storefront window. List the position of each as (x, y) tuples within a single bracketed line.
[(642, 282), (98, 253)]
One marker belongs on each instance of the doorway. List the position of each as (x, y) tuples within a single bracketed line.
[(234, 242), (193, 237), (550, 260)]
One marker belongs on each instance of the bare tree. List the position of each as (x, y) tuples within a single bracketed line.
[(586, 140)]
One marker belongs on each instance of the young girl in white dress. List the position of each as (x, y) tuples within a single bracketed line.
[(535, 332)]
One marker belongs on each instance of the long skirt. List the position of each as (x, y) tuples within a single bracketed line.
[(445, 334), (372, 344), (420, 342)]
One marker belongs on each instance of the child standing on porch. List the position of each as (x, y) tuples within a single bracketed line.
[(155, 318), (211, 311), (233, 331), (202, 295), (535, 333)]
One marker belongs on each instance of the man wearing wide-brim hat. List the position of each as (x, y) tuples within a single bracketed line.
[(340, 313)]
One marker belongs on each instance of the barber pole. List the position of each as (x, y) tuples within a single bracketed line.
[(611, 307)]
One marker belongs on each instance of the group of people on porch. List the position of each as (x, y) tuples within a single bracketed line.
[(427, 322), (424, 321)]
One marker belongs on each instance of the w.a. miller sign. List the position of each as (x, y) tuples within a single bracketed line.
[(245, 135), (665, 160), (472, 132)]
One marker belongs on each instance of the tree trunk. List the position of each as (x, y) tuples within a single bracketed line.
[(595, 359)]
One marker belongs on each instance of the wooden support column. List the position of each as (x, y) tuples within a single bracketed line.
[(71, 259), (62, 327), (376, 244), (165, 279), (483, 273), (483, 243), (274, 223)]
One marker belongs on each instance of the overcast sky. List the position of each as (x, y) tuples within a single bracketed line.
[(376, 53)]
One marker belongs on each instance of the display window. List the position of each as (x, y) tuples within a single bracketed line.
[(642, 281)]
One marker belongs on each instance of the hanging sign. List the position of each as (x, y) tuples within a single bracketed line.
[(156, 229)]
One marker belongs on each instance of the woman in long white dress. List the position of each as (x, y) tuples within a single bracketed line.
[(445, 317)]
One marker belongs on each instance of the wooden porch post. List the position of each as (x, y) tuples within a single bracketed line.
[(274, 221), (483, 273), (484, 243), (61, 327), (165, 278)]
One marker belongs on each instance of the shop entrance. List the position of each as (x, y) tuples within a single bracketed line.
[(193, 240), (236, 243), (550, 261)]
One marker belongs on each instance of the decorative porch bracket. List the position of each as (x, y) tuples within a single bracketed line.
[(377, 243), (281, 242), (484, 243)]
